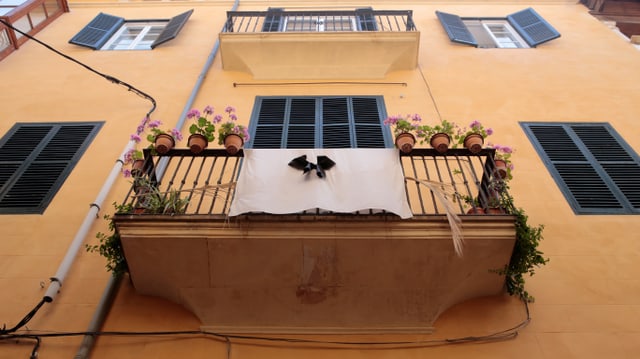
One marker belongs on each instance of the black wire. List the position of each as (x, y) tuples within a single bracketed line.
[(24, 320), (107, 77), (506, 334)]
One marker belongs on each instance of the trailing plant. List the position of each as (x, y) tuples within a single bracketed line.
[(525, 257), (110, 245), (151, 200)]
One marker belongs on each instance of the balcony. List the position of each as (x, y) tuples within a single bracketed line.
[(297, 45), (318, 271)]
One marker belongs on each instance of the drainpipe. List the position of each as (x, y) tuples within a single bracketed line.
[(108, 295)]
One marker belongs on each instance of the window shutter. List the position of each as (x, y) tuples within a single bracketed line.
[(318, 122), (98, 31), (368, 123), (456, 29), (35, 161), (366, 19), (301, 132), (272, 20), (172, 29), (270, 123), (335, 123), (532, 27), (595, 172)]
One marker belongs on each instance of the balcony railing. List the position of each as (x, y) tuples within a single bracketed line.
[(317, 21), (457, 181)]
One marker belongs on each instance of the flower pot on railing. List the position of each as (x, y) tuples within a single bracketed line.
[(197, 143), (405, 142), (163, 143), (233, 143), (501, 168), (137, 168), (440, 142), (474, 142)]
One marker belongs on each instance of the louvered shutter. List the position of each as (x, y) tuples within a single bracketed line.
[(456, 29), (272, 20), (98, 31), (336, 129), (532, 27), (318, 122), (366, 19), (301, 132), (172, 29), (269, 123), (595, 171), (35, 160), (368, 126)]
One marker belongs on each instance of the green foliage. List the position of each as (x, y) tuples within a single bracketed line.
[(525, 257), (110, 245)]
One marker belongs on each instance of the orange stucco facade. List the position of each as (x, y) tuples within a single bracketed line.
[(587, 297)]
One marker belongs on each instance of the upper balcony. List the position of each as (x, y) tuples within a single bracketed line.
[(295, 45), (316, 270)]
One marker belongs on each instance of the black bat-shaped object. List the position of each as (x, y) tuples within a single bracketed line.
[(301, 163)]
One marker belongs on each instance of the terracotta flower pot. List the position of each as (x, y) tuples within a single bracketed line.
[(440, 141), (137, 168), (501, 168), (233, 143), (164, 142), (476, 210), (405, 142), (474, 142), (197, 143)]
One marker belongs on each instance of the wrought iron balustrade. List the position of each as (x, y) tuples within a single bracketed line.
[(457, 181), (317, 21)]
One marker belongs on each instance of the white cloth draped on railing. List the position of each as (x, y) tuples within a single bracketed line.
[(361, 179)]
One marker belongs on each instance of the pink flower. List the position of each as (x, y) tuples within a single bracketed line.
[(217, 118), (126, 173), (154, 124), (176, 134), (208, 110), (193, 114), (229, 109), (135, 138)]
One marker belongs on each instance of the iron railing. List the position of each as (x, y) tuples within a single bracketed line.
[(318, 21), (457, 181)]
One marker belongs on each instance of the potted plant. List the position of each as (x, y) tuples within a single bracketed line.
[(133, 160), (403, 130), (439, 136), (472, 137), (231, 134), (202, 130), (502, 162), (150, 200), (161, 141)]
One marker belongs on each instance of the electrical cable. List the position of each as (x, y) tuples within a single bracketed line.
[(502, 335), (24, 320), (107, 77)]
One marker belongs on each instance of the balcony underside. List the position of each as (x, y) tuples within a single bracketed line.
[(315, 273), (319, 55)]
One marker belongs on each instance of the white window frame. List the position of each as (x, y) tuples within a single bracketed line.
[(514, 40), (142, 41), (317, 24)]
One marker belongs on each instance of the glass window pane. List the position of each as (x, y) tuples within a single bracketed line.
[(37, 15), (4, 40)]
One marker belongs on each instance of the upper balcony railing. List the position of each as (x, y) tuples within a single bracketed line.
[(435, 184), (275, 20)]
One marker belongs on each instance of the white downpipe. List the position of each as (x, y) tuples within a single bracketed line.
[(108, 294), (58, 279)]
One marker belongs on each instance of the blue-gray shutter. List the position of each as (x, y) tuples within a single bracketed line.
[(456, 29), (172, 29), (318, 122), (596, 171), (269, 123), (272, 20), (35, 160), (532, 27), (98, 31), (366, 19)]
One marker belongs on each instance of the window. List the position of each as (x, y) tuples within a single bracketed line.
[(319, 122), (108, 32), (523, 29), (278, 20), (593, 166), (35, 160)]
